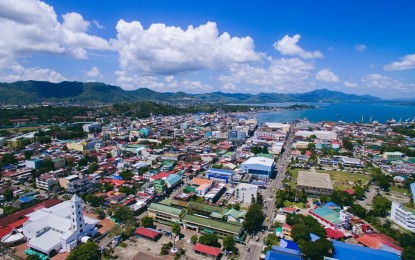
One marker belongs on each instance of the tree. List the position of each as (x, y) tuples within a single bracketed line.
[(209, 240), (100, 213), (126, 190), (408, 253), (175, 228), (347, 144), (300, 232), (28, 154), (93, 167), (193, 239), (87, 251), (94, 200), (126, 174), (324, 198), (317, 249), (381, 206), (121, 213), (147, 222), (7, 159), (8, 195), (237, 206), (254, 218), (358, 210), (33, 257), (229, 243), (342, 198), (359, 191)]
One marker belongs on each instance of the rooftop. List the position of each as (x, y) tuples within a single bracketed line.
[(166, 209), (260, 160), (318, 180), (232, 228)]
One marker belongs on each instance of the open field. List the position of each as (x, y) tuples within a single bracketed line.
[(341, 180)]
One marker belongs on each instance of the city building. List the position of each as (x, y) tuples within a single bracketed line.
[(403, 216), (245, 192), (392, 156), (93, 127), (34, 163), (314, 184), (164, 214), (46, 181), (219, 175), (261, 167), (60, 227)]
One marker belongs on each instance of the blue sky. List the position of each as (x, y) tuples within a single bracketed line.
[(363, 47)]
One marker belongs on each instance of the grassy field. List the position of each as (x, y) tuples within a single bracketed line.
[(341, 180), (399, 190), (23, 129)]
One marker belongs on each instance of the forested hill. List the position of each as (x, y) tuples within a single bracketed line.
[(93, 93)]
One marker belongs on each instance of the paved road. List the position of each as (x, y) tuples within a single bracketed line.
[(269, 198)]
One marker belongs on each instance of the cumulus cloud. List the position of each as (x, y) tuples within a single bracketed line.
[(350, 84), (360, 47), (32, 26), (280, 75), (18, 72), (405, 63), (94, 73), (327, 76), (98, 25), (383, 82), (162, 84), (163, 49), (289, 46)]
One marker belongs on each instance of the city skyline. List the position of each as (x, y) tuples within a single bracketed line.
[(206, 46)]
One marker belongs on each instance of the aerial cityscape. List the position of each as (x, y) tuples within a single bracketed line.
[(149, 130)]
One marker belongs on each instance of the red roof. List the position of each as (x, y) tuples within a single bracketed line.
[(332, 233), (18, 223), (118, 183), (160, 175), (376, 241), (5, 221), (209, 250), (146, 232)]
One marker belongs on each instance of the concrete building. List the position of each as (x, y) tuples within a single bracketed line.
[(34, 163), (403, 216), (261, 167), (46, 181), (219, 175), (60, 227), (244, 192), (392, 156), (91, 127), (314, 184)]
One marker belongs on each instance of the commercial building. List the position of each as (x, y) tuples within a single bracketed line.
[(392, 156), (46, 181), (245, 192), (210, 226), (93, 127), (403, 216), (60, 227), (219, 175), (261, 167), (314, 184), (164, 214), (207, 251)]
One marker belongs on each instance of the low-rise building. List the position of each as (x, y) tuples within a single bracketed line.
[(403, 216), (245, 192), (219, 175), (315, 184), (46, 181), (261, 167)]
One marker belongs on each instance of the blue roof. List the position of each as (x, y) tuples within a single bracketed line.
[(282, 253), (173, 179), (412, 186), (314, 237), (289, 244), (219, 171), (354, 252), (331, 204)]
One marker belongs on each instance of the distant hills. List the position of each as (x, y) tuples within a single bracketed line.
[(93, 93)]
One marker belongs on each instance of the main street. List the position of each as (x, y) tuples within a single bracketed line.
[(269, 198)]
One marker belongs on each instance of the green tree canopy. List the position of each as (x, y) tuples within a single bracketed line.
[(209, 240), (8, 195), (147, 222), (126, 174), (318, 249), (87, 251), (175, 228), (229, 243), (254, 218)]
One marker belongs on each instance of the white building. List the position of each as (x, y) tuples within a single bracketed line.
[(328, 135), (403, 216), (91, 127), (46, 181), (244, 192), (261, 167), (60, 227)]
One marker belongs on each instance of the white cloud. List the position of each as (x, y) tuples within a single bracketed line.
[(98, 25), (360, 47), (350, 84), (229, 86), (94, 73), (327, 76), (405, 63), (383, 82), (32, 26), (288, 46), (162, 49), (19, 72), (285, 75)]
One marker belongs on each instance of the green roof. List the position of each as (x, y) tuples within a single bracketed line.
[(266, 155), (167, 209), (229, 153), (216, 215), (189, 189), (205, 208), (176, 203), (236, 213), (328, 214), (210, 223)]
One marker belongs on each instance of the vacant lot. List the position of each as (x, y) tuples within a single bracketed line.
[(341, 180)]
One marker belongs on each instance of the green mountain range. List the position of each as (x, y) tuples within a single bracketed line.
[(93, 93)]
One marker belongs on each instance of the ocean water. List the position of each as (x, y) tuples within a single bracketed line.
[(347, 112)]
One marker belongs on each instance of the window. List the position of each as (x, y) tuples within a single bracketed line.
[(79, 219)]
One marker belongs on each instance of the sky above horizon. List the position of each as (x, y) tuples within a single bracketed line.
[(360, 47)]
